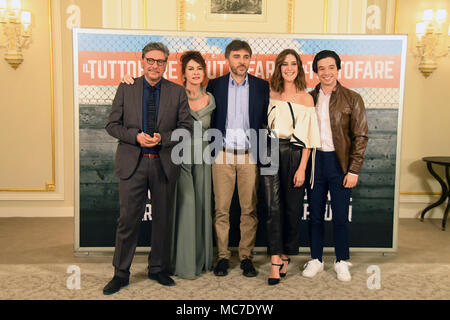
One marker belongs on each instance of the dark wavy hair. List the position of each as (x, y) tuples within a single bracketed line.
[(326, 54), (192, 55), (277, 82)]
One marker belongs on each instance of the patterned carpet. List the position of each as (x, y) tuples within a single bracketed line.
[(398, 281)]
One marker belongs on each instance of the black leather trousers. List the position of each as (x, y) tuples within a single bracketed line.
[(284, 202)]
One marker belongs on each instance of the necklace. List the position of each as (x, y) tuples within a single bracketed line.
[(200, 94)]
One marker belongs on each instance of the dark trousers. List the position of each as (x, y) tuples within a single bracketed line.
[(284, 202), (329, 177), (133, 194)]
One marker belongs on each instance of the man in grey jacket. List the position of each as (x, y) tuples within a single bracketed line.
[(142, 118)]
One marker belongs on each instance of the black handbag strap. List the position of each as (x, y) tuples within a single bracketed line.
[(298, 141), (292, 114)]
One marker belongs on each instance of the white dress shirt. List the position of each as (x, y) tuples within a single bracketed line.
[(323, 115)]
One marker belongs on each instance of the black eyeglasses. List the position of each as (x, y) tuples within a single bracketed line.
[(151, 61)]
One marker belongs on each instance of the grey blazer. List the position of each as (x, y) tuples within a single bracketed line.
[(125, 121)]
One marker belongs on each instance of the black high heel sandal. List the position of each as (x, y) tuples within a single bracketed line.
[(283, 274), (274, 281)]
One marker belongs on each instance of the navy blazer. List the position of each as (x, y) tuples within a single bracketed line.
[(258, 96)]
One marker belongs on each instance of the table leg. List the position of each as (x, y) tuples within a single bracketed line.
[(444, 220), (444, 191)]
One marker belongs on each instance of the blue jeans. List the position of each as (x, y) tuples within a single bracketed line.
[(328, 177)]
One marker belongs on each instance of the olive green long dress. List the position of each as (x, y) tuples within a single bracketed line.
[(193, 244)]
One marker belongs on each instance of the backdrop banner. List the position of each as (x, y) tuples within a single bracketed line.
[(373, 66)]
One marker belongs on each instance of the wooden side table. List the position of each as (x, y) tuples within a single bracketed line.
[(443, 161)]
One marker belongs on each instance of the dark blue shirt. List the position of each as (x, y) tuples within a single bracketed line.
[(145, 101)]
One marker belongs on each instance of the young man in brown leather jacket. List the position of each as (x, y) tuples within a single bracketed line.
[(343, 130)]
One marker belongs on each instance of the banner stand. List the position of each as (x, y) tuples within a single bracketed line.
[(372, 65)]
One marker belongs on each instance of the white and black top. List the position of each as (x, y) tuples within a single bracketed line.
[(296, 122)]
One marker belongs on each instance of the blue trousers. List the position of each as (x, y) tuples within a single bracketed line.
[(328, 177)]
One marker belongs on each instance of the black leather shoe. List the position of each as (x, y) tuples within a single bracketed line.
[(115, 284), (222, 268), (162, 278), (249, 270)]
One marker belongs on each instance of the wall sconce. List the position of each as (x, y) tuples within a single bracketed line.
[(16, 30), (431, 42)]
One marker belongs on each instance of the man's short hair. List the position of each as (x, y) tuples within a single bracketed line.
[(326, 54), (155, 46), (237, 45)]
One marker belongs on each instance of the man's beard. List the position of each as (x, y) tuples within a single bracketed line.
[(236, 70)]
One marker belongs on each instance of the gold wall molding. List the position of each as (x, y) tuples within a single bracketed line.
[(144, 14), (181, 14), (290, 16), (325, 16), (396, 17), (48, 186), (343, 16)]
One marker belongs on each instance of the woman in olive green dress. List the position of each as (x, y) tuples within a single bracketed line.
[(193, 244)]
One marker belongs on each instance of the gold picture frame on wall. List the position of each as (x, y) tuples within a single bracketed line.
[(236, 10), (201, 15)]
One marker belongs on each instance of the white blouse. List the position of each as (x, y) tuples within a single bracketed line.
[(288, 120)]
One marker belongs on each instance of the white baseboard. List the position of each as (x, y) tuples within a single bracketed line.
[(415, 212), (36, 212), (411, 206)]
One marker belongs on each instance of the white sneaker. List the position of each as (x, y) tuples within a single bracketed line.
[(342, 271), (312, 267)]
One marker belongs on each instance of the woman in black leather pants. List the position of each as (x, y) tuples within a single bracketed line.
[(292, 121)]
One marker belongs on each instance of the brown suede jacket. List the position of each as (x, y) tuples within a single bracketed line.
[(348, 126)]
